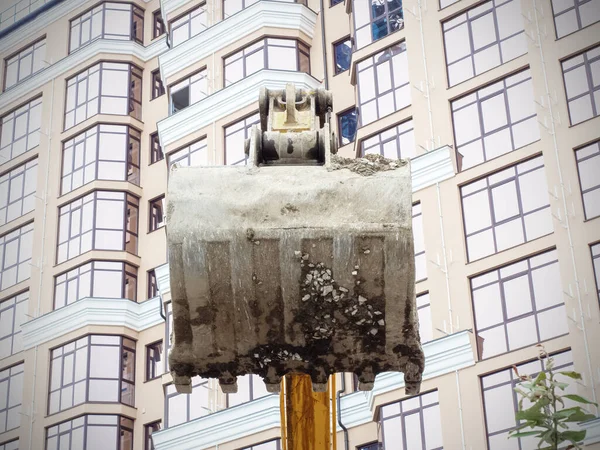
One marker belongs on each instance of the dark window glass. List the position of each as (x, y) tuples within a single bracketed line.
[(153, 360), (336, 2), (158, 28), (152, 284), (573, 15), (156, 153), (13, 313), (375, 19), (149, 429), (11, 397), (235, 136), (189, 91), (342, 53), (91, 431), (95, 368), (347, 126), (157, 213), (582, 85), (588, 168), (157, 85)]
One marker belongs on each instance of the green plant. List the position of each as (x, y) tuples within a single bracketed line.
[(549, 423)]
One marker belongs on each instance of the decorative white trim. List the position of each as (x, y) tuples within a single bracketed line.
[(223, 426), (163, 279), (168, 6), (226, 101), (261, 14), (431, 168), (593, 431), (91, 311), (130, 48)]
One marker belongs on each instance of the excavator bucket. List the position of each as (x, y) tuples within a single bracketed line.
[(300, 261)]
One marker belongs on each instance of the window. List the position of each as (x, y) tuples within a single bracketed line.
[(13, 314), (588, 167), (274, 444), (506, 208), (424, 312), (189, 91), (235, 135), (482, 38), (105, 88), (372, 446), (152, 284), (573, 15), (519, 305), (11, 397), (153, 360), (250, 387), (375, 19), (12, 445), (95, 368), (168, 331), (420, 259), (181, 408), (188, 25), (495, 120), (157, 214), (15, 256), (347, 126), (192, 155), (156, 153), (336, 2), (397, 142), (446, 3), (20, 130), (501, 401), (103, 152), (149, 429), (342, 53), (118, 21), (596, 262), (157, 85), (102, 220), (98, 279), (383, 85), (268, 53), (13, 14), (414, 421), (17, 191), (158, 24), (24, 64), (581, 87), (90, 432)]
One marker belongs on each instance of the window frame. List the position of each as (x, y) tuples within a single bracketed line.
[(153, 222), (18, 300), (156, 152), (596, 188), (576, 6), (185, 152), (589, 78), (17, 234), (204, 11), (396, 137), (19, 369), (417, 205), (26, 108), (148, 431), (30, 48), (246, 129), (152, 371), (158, 24), (203, 73), (334, 46), (26, 169), (342, 114), (157, 86), (595, 256), (152, 286), (196, 383), (120, 429), (370, 24)]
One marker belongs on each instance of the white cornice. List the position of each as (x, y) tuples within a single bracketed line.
[(91, 311), (130, 48), (223, 426), (168, 6), (431, 168), (163, 280), (261, 14), (226, 101)]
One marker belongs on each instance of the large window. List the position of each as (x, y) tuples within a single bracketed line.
[(154, 360), (235, 135), (181, 408), (91, 432), (250, 387), (495, 120), (588, 166), (158, 24), (120, 21), (95, 368), (98, 279), (383, 85), (15, 256), (342, 54), (268, 53), (20, 130), (347, 126), (424, 312), (12, 445), (156, 216), (158, 88), (11, 397), (189, 91), (573, 15), (152, 284), (105, 88), (397, 142), (156, 153), (274, 444), (375, 19), (103, 152), (413, 423), (13, 313), (582, 85), (482, 38), (519, 305), (102, 220), (506, 209), (24, 64), (188, 25), (149, 430), (501, 401), (420, 259), (17, 191), (192, 155), (596, 262)]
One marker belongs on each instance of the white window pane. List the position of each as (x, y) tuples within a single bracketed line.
[(517, 296)]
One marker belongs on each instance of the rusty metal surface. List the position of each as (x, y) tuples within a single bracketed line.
[(281, 269)]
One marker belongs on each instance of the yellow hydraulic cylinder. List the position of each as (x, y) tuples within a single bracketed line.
[(307, 417)]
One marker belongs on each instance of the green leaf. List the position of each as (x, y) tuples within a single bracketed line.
[(525, 434), (579, 417), (530, 415), (573, 436), (571, 374), (579, 398), (540, 377), (566, 412)]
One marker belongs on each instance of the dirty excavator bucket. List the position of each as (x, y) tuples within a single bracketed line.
[(300, 261)]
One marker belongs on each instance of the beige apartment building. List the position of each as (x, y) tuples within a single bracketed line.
[(496, 103)]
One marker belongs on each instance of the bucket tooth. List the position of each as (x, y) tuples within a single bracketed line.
[(183, 383), (228, 386), (273, 388), (319, 387), (362, 386)]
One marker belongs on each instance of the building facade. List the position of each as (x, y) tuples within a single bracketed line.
[(495, 102)]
